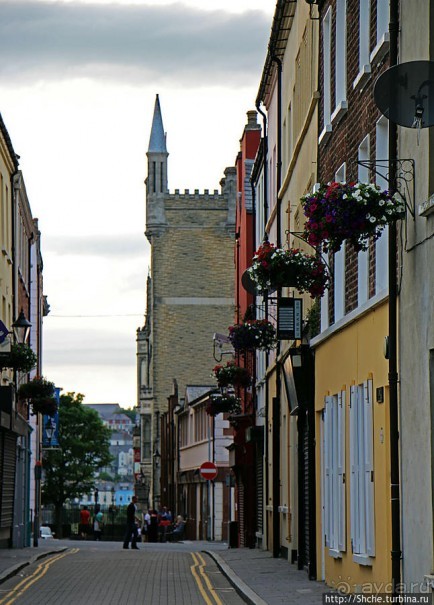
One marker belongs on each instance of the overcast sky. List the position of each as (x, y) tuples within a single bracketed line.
[(78, 81)]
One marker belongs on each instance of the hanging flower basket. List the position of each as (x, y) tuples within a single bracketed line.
[(46, 406), (36, 388), (228, 404), (353, 212), (275, 267), (21, 358), (231, 374), (253, 334)]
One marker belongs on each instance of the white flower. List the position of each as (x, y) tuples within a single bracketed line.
[(372, 219), (381, 203)]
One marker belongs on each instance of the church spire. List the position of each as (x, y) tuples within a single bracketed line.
[(157, 140)]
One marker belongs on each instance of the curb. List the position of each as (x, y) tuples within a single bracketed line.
[(14, 569), (241, 587)]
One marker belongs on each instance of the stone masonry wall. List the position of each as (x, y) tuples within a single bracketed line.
[(192, 272)]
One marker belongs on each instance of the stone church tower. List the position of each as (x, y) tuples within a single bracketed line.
[(190, 292)]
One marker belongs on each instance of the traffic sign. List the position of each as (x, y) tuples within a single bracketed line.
[(208, 471)]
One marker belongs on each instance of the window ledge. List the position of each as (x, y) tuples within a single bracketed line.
[(354, 315), (427, 207), (339, 112), (362, 77), (363, 560), (380, 51), (325, 135), (336, 554)]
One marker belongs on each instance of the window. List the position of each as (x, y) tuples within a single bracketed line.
[(383, 36), (364, 31), (339, 263), (382, 244), (341, 60), (146, 436), (364, 43), (363, 256), (382, 19), (327, 29), (362, 473), (334, 471)]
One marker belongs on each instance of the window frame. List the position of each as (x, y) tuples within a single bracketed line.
[(362, 493)]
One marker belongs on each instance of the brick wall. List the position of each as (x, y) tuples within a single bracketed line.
[(347, 135)]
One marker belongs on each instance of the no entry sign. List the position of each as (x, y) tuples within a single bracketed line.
[(208, 470)]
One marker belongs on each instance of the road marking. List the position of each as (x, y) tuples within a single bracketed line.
[(39, 572), (199, 561)]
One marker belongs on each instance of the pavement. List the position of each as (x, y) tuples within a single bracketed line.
[(258, 578)]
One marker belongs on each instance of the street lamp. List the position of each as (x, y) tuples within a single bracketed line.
[(21, 328), (50, 428)]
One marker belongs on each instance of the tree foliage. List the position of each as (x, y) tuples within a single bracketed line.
[(83, 449), (130, 412)]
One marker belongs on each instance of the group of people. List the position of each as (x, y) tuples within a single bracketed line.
[(152, 526), (155, 526), (86, 528)]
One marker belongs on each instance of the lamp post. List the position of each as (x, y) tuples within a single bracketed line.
[(21, 328), (50, 428), (96, 495)]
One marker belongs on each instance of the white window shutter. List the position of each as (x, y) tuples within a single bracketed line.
[(353, 470), (342, 543), (369, 468), (327, 470)]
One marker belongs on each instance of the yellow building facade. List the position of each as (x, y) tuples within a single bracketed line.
[(8, 166), (351, 403)]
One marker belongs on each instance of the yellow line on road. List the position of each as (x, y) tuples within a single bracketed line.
[(199, 561), (39, 572), (207, 580)]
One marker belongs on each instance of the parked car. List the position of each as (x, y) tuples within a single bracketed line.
[(45, 532)]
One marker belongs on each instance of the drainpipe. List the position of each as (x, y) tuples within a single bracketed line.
[(267, 390), (276, 399), (393, 373), (265, 145)]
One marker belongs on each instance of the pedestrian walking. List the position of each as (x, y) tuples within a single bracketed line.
[(98, 525), (153, 527), (131, 532), (145, 525), (84, 522)]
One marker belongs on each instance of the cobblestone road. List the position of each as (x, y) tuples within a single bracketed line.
[(104, 574)]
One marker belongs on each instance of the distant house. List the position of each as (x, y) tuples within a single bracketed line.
[(119, 476), (113, 416)]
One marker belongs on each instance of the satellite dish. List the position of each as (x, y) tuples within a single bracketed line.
[(248, 284), (404, 94)]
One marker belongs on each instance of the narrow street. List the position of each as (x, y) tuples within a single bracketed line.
[(104, 573)]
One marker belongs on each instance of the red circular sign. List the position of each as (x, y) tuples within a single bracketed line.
[(208, 470)]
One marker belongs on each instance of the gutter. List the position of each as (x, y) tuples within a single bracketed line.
[(396, 553)]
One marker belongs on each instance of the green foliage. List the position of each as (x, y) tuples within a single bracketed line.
[(21, 357), (84, 448), (104, 476), (314, 319), (130, 412)]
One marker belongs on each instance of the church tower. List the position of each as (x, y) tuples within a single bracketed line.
[(190, 294), (156, 183)]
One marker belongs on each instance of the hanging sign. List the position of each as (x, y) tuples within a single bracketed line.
[(289, 318), (50, 426)]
